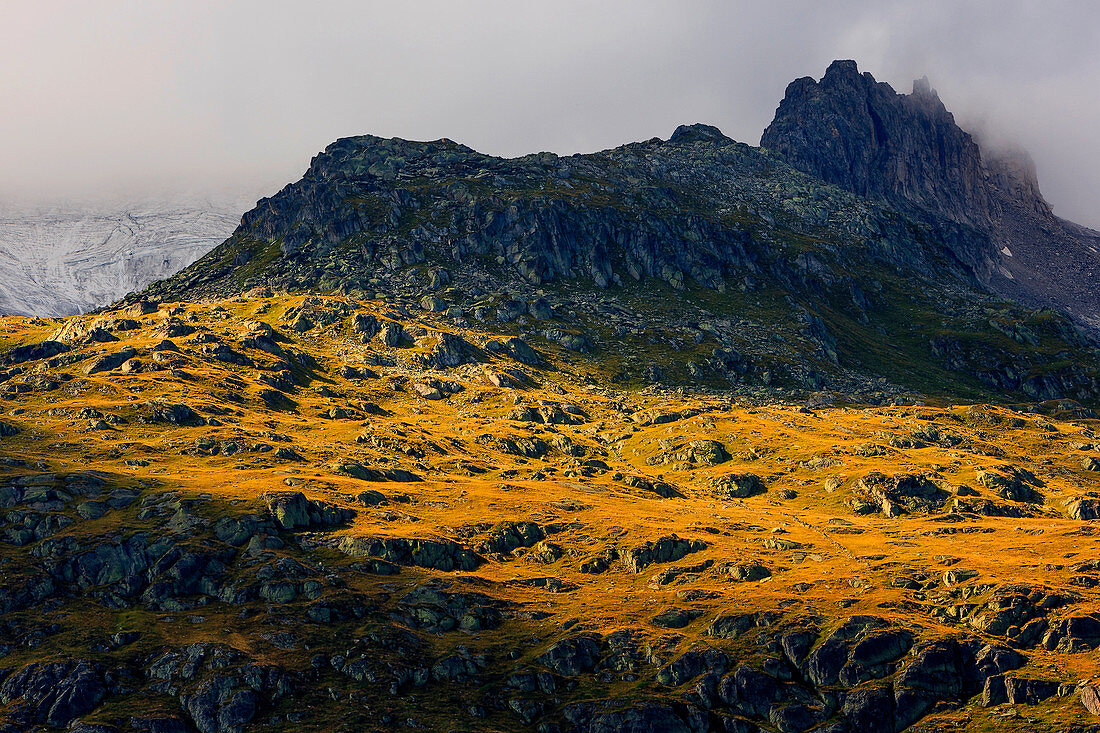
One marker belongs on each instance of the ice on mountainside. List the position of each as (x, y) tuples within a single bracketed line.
[(61, 260)]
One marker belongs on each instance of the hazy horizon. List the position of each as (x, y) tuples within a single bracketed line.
[(234, 98)]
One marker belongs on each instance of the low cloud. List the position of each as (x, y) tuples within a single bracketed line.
[(239, 95)]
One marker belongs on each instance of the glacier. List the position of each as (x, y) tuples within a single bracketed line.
[(62, 259)]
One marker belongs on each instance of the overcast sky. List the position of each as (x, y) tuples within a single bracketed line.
[(211, 95)]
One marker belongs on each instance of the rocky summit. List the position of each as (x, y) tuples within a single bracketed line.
[(681, 436), (984, 201)]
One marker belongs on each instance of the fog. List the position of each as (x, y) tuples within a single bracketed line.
[(216, 97)]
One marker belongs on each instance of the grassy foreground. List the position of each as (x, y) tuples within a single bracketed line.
[(589, 537)]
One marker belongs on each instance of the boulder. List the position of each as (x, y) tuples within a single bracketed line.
[(1073, 635), (436, 554), (546, 552), (293, 511), (753, 692), (392, 334), (572, 656), (436, 608), (508, 535), (33, 352), (427, 391), (1090, 698), (1016, 485), (433, 303), (290, 509), (702, 452), (737, 486), (370, 497), (522, 352), (641, 717), (898, 494), (745, 572), (365, 325), (664, 549), (173, 414), (870, 709), (696, 661), (1016, 690), (445, 350), (109, 362), (1083, 508), (219, 688), (675, 618)]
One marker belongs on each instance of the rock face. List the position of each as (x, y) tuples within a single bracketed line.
[(906, 149), (54, 693), (857, 133)]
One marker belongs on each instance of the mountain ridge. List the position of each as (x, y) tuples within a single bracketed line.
[(843, 283)]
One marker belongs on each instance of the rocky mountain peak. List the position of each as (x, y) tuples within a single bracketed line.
[(841, 70), (907, 150), (858, 133)]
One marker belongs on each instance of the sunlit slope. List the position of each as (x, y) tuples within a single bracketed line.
[(313, 513)]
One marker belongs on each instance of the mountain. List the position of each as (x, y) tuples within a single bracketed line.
[(735, 269), (670, 437), (906, 149), (69, 259)]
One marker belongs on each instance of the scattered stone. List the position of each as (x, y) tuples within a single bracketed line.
[(572, 656), (437, 554), (665, 549), (109, 362), (745, 572), (427, 392), (737, 486)]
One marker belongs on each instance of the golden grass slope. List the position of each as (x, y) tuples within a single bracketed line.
[(830, 551)]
